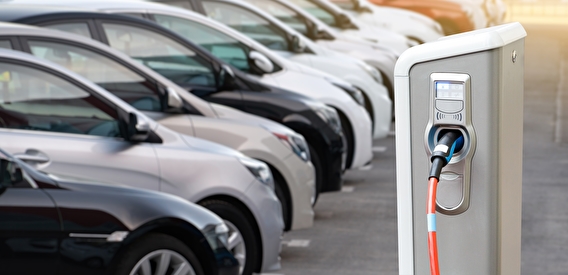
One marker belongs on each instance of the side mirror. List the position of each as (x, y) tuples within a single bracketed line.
[(173, 99), (344, 22), (226, 77), (261, 61), (138, 128), (298, 45)]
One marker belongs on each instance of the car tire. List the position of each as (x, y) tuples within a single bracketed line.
[(147, 252), (319, 173), (347, 131), (284, 198), (246, 248)]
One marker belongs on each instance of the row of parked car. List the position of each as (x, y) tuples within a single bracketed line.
[(245, 110)]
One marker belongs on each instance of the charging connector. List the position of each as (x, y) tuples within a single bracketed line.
[(450, 143)]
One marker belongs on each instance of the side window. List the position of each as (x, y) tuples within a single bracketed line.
[(32, 99), (283, 13), (219, 44), (162, 54), (249, 24), (6, 44), (316, 11), (11, 175), (79, 28), (105, 72)]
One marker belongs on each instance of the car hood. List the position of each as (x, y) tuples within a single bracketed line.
[(210, 147), (297, 67)]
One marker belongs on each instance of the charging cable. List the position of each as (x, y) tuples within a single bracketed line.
[(450, 142)]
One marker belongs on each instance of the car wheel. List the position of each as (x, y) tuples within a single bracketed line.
[(159, 254), (319, 173), (243, 243)]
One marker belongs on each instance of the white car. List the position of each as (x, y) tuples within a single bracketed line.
[(413, 25), (233, 47), (346, 24), (61, 123), (279, 22)]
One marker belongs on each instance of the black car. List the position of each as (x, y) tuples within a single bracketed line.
[(49, 225), (221, 84)]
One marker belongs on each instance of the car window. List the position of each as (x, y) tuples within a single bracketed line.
[(32, 99), (345, 4), (105, 72), (12, 176), (249, 24), (162, 54), (219, 44), (283, 13), (79, 28), (5, 44), (316, 11)]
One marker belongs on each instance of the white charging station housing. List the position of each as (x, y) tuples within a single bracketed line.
[(473, 83)]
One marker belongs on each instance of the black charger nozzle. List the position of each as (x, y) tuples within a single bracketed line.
[(449, 143)]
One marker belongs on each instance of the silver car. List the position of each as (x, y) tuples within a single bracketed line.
[(283, 149), (60, 122)]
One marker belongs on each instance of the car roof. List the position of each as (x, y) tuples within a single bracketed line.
[(95, 4), (11, 12)]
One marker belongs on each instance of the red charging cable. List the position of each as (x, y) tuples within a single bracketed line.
[(431, 215)]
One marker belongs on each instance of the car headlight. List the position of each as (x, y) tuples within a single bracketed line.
[(328, 115), (296, 143), (350, 90), (259, 170), (374, 73), (217, 236)]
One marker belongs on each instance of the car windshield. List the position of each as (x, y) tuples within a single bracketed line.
[(162, 54), (248, 23), (283, 13), (318, 12), (219, 44), (345, 4)]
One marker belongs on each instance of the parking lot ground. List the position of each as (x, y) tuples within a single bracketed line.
[(355, 230), (545, 167)]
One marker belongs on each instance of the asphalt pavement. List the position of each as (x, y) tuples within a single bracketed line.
[(355, 230)]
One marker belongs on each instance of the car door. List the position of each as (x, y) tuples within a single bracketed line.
[(29, 224), (59, 126)]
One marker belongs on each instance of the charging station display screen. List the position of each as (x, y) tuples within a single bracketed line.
[(448, 90)]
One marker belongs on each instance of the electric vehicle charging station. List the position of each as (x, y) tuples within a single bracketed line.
[(471, 83)]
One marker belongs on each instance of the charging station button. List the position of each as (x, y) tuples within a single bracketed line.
[(449, 106)]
